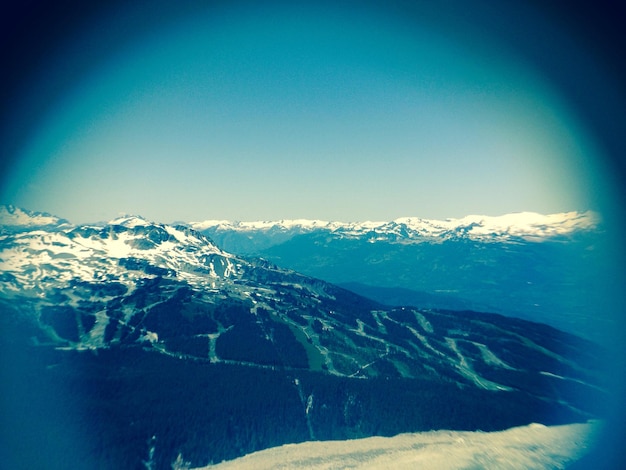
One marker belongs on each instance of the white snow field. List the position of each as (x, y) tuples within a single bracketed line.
[(527, 447)]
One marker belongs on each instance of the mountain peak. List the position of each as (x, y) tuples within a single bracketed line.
[(15, 219), (129, 221)]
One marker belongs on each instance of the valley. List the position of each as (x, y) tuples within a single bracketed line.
[(550, 269)]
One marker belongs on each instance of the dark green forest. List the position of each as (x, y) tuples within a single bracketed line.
[(135, 404), (107, 409)]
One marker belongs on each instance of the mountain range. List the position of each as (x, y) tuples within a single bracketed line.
[(527, 226), (546, 268), (135, 343)]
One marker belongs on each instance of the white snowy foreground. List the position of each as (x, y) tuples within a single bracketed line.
[(526, 447)]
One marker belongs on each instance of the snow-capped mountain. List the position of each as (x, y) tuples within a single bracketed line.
[(119, 252), (14, 219), (92, 268), (190, 350), (527, 226)]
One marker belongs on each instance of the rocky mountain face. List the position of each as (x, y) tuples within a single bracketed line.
[(546, 268), (143, 344)]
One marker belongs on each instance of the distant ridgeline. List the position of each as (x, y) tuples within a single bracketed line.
[(546, 268), (136, 345)]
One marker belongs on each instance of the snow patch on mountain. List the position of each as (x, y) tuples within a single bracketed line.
[(532, 446)]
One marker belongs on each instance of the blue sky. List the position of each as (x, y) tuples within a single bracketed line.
[(307, 111)]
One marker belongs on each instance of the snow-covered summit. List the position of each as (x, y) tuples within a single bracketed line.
[(530, 226), (521, 224), (109, 253), (129, 220), (14, 219)]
